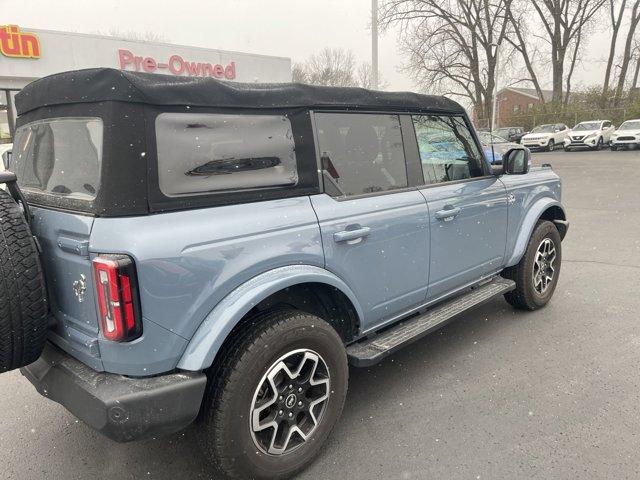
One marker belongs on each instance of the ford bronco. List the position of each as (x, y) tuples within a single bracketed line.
[(180, 251)]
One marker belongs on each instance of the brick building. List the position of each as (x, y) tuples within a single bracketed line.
[(515, 102)]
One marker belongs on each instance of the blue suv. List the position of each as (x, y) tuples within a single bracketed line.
[(184, 250)]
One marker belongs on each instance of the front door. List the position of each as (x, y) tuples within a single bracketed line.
[(375, 230), (467, 207)]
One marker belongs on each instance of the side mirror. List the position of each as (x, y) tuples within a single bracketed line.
[(6, 160), (516, 161)]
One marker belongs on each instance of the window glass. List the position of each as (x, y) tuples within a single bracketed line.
[(447, 149), (202, 152), (361, 153), (59, 156)]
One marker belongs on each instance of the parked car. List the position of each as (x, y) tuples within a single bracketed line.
[(495, 146), (546, 137), (511, 134), (302, 228), (592, 134), (626, 136)]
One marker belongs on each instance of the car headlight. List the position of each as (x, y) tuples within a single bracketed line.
[(589, 137)]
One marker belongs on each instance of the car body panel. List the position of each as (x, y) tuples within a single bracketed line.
[(590, 137), (471, 244), (218, 324), (626, 137), (540, 140), (388, 269)]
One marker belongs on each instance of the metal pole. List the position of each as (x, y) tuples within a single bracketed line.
[(495, 93), (374, 44)]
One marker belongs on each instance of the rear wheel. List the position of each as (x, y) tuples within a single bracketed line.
[(23, 324), (275, 397), (536, 275)]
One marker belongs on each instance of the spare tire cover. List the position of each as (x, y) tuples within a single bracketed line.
[(23, 303)]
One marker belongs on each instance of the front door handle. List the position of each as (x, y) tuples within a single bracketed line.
[(347, 235), (447, 214)]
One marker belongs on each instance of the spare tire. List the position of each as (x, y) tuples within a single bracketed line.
[(23, 303)]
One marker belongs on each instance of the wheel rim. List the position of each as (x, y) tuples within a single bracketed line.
[(289, 402), (544, 268), (552, 144)]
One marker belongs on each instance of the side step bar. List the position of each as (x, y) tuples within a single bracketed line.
[(372, 350)]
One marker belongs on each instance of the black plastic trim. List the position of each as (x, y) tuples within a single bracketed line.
[(121, 408)]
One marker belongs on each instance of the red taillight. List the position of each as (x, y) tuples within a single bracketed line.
[(118, 305)]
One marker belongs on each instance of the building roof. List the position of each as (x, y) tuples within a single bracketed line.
[(107, 84), (531, 92)]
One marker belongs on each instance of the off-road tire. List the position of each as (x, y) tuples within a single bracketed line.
[(23, 304), (224, 423), (525, 296)]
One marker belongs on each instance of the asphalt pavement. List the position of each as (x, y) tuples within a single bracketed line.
[(497, 394)]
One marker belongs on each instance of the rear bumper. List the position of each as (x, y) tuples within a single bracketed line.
[(122, 408)]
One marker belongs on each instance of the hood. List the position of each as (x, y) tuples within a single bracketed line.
[(627, 132), (583, 133), (538, 135)]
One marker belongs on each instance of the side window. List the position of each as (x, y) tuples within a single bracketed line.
[(448, 151), (360, 153), (204, 152), (606, 125)]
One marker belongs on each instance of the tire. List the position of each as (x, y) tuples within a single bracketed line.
[(225, 426), (23, 304), (613, 148), (567, 149), (528, 295), (599, 145), (551, 146)]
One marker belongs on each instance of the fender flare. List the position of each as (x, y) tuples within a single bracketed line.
[(214, 330), (527, 226)]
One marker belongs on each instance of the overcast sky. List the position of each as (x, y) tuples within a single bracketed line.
[(289, 28)]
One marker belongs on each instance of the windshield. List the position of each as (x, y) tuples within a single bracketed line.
[(60, 156), (584, 126), (630, 125), (544, 129)]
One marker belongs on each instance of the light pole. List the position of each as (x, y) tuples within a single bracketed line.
[(374, 44), (494, 108)]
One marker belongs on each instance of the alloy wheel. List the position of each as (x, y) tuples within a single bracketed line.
[(544, 269), (289, 402)]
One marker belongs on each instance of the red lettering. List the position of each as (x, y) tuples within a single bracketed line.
[(207, 69), (10, 41), (149, 65), (176, 64), (230, 71), (126, 57), (193, 68), (218, 71), (30, 46)]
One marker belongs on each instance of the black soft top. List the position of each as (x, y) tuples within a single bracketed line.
[(108, 84)]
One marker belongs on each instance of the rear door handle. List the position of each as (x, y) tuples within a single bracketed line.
[(447, 214), (347, 235)]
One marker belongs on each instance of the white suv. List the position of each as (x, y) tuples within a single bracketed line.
[(546, 137), (627, 135), (592, 134)]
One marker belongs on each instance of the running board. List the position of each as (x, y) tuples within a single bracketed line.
[(372, 350)]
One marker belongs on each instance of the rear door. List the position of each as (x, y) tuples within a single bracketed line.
[(54, 159), (467, 207), (374, 225)]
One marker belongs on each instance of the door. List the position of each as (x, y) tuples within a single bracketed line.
[(467, 207), (374, 226)]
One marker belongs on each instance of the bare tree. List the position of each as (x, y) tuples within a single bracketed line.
[(634, 82), (616, 22), (364, 77), (634, 20), (564, 23), (331, 66), (452, 45)]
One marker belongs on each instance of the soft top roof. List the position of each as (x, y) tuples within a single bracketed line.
[(108, 84)]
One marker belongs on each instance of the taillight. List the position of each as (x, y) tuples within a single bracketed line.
[(117, 293)]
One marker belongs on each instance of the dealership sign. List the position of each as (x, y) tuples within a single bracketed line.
[(14, 43), (176, 65)]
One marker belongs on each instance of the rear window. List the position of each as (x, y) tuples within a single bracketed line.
[(200, 153), (59, 156)]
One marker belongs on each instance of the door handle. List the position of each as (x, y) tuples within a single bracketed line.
[(347, 235), (447, 214)]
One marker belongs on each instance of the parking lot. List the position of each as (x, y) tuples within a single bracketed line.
[(497, 394)]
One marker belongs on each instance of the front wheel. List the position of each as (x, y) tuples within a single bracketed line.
[(613, 148), (551, 146), (536, 275), (275, 397), (599, 144)]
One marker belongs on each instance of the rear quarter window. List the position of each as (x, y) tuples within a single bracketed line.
[(60, 156), (201, 152)]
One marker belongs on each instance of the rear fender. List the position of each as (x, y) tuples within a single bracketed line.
[(206, 342), (526, 228)]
